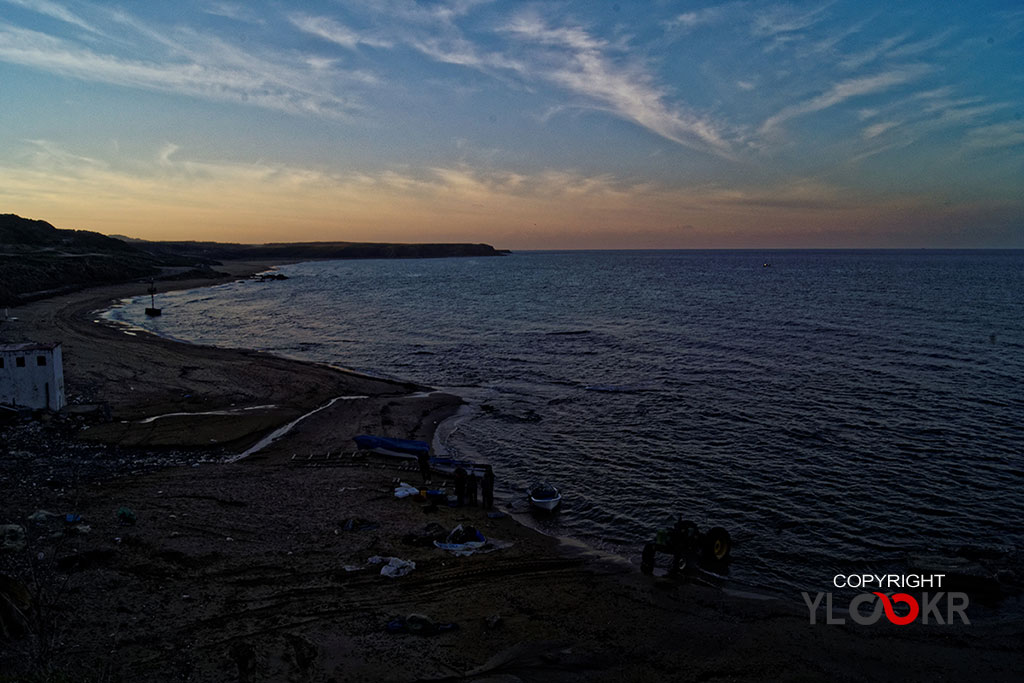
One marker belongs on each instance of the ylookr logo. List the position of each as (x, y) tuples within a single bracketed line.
[(937, 608)]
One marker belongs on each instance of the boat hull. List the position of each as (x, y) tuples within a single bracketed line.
[(399, 447), (546, 503)]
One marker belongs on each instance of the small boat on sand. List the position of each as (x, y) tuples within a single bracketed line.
[(545, 496), (402, 448), (411, 450)]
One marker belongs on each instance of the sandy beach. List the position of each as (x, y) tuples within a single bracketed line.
[(258, 570)]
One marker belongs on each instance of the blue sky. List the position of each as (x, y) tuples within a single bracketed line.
[(521, 124)]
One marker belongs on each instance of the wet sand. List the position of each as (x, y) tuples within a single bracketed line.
[(245, 571)]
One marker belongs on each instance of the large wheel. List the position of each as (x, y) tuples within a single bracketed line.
[(647, 559), (717, 544)]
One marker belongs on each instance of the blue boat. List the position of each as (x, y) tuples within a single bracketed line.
[(403, 448)]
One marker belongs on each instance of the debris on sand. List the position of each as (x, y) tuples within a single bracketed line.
[(395, 566)]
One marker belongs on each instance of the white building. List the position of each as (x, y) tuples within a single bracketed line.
[(32, 375)]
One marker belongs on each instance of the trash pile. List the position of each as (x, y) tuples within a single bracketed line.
[(464, 541), (394, 567), (404, 490)]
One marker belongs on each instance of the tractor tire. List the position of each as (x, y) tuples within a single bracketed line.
[(717, 544)]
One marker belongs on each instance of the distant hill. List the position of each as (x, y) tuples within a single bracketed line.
[(23, 234), (319, 250), (38, 260)]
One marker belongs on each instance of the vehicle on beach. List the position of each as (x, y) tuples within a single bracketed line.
[(689, 547), (545, 497)]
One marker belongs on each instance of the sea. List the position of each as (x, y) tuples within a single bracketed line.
[(838, 412)]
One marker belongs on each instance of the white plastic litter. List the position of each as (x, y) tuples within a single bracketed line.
[(395, 566), (404, 490)]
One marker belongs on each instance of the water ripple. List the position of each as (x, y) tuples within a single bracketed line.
[(834, 412)]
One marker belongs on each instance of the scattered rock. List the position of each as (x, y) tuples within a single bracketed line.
[(12, 538)]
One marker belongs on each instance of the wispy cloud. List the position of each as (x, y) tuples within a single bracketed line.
[(204, 68), (895, 47), (786, 18), (578, 62), (871, 54), (921, 46), (953, 119), (441, 13), (155, 196), (333, 31), (805, 194), (46, 154), (706, 16), (842, 91), (233, 10), (996, 136), (782, 25), (430, 29), (164, 155), (462, 52), (876, 129), (56, 11)]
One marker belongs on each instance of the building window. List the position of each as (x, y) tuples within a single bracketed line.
[(20, 361), (40, 360)]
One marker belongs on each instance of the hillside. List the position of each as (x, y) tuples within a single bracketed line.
[(316, 250), (39, 260)]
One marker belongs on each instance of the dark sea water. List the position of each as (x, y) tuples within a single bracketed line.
[(837, 411)]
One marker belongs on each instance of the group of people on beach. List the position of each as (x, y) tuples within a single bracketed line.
[(466, 483)]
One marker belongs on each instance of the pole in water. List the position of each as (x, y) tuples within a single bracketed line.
[(152, 310)]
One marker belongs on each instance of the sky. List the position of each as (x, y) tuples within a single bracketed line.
[(526, 125)]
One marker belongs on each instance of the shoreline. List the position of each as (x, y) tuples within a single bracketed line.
[(238, 571)]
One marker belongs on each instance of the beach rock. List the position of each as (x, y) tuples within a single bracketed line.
[(12, 538), (43, 517)]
